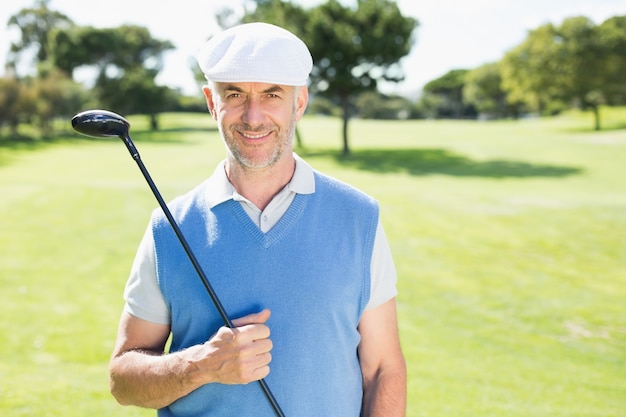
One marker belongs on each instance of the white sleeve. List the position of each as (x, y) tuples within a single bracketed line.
[(382, 271), (142, 293)]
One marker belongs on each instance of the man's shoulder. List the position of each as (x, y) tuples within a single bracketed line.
[(181, 205), (338, 189), (332, 183)]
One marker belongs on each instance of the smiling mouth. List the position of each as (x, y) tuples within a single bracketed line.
[(254, 135)]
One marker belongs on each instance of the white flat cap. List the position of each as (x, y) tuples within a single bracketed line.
[(256, 52)]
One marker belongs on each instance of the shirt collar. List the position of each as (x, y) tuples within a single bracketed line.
[(219, 189)]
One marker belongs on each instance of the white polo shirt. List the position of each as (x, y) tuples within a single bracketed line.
[(143, 295)]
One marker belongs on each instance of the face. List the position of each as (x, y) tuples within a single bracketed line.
[(257, 121)]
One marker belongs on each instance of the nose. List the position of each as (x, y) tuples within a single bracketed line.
[(253, 112)]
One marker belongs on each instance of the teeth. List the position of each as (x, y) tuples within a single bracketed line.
[(249, 136)]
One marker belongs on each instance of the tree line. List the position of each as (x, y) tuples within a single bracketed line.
[(576, 63), (353, 47), (125, 61)]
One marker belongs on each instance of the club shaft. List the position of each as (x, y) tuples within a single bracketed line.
[(196, 264)]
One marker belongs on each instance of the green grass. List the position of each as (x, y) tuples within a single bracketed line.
[(509, 239)]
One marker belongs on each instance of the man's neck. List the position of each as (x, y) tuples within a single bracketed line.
[(260, 185)]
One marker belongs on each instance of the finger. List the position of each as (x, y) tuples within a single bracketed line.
[(260, 347), (260, 373), (252, 333), (261, 368), (255, 318)]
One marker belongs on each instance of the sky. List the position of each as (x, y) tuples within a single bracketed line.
[(452, 34)]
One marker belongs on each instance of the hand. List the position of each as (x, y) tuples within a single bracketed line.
[(235, 356)]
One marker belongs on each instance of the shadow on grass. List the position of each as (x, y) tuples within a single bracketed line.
[(167, 135), (32, 143), (441, 161), (28, 142), (184, 129), (138, 135), (21, 143), (609, 128)]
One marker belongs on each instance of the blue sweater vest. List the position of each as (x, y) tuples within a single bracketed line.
[(311, 270)]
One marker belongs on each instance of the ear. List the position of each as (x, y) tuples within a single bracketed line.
[(302, 101), (210, 103)]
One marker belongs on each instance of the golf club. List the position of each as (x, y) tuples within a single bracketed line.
[(103, 123)]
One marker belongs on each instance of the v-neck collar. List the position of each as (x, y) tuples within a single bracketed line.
[(276, 233)]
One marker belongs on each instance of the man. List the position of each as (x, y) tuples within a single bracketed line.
[(300, 258)]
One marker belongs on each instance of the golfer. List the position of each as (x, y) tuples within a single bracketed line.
[(299, 260)]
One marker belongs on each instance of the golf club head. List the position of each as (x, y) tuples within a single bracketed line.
[(101, 124)]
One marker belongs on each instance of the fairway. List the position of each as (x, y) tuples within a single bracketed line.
[(509, 239)]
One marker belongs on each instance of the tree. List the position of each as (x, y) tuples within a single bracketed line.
[(282, 13), (557, 67), (35, 25), (108, 49), (375, 105), (127, 60), (448, 90), (11, 99), (136, 92), (612, 34), (583, 65), (56, 96), (355, 49), (39, 100), (521, 75), (483, 90)]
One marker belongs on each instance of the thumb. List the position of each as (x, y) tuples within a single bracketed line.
[(254, 318)]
